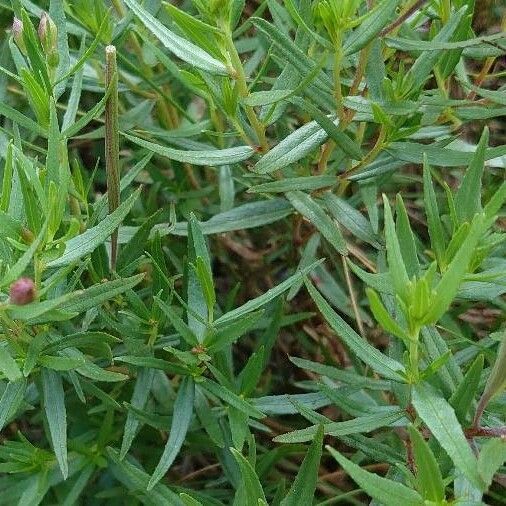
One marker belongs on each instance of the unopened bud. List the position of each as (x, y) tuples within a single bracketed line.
[(17, 34), (22, 291), (48, 35)]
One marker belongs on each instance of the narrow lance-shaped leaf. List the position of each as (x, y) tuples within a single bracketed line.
[(428, 474), (211, 157), (182, 48), (462, 399), (112, 142), (406, 239), (183, 410), (292, 148), (317, 216), (468, 198), (263, 299), (56, 414), (449, 283), (374, 22), (139, 398), (440, 418), (302, 491), (24, 260), (85, 243), (496, 381), (11, 399), (435, 226), (382, 364), (398, 271), (492, 456), (388, 492), (366, 423), (8, 366), (253, 491)]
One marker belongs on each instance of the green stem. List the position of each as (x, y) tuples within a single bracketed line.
[(242, 87), (112, 142)]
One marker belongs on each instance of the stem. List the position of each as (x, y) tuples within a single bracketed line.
[(353, 298), (242, 87), (378, 146), (338, 93), (403, 16), (112, 142), (413, 360)]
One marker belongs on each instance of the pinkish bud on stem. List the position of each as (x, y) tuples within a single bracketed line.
[(22, 291), (17, 34), (48, 35)]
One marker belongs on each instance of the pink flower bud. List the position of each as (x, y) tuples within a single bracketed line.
[(22, 291), (17, 34)]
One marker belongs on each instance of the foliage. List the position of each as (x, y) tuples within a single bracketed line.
[(229, 228)]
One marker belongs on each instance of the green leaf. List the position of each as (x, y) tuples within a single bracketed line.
[(341, 375), (56, 415), (230, 398), (497, 378), (406, 239), (139, 398), (20, 119), (302, 491), (57, 13), (181, 328), (388, 492), (253, 492), (426, 62), (8, 366), (396, 264), (350, 218), (492, 456), (382, 316), (317, 216), (468, 197), (435, 226), (11, 400), (202, 34), (153, 363), (224, 335), (90, 115), (73, 302), (291, 149), (196, 299), (24, 260), (449, 283), (440, 418), (210, 157), (331, 126), (85, 243), (462, 399), (293, 54), (251, 215), (78, 65), (366, 423), (208, 418), (182, 414), (188, 52), (206, 282), (263, 299), (268, 97), (136, 480), (373, 23), (382, 364), (307, 183), (189, 501), (428, 474)]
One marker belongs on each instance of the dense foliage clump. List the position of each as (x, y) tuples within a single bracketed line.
[(252, 252)]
